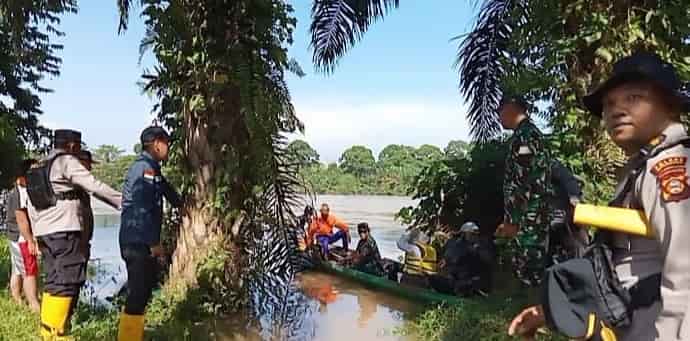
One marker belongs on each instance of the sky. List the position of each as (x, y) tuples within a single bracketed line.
[(397, 86)]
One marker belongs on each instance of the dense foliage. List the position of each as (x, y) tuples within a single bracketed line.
[(556, 52), (11, 151), (455, 190), (114, 172), (28, 53), (551, 52), (358, 172)]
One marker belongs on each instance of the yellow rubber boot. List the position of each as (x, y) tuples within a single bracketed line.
[(54, 314), (131, 328)]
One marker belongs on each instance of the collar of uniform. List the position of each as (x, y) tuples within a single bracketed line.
[(56, 151), (672, 134), (145, 155)]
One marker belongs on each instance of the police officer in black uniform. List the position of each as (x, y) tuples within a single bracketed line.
[(142, 214)]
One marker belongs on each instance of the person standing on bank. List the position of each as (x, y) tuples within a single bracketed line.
[(140, 228), (527, 190), (53, 187), (641, 105), (23, 249)]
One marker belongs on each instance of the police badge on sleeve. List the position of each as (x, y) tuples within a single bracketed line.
[(672, 177)]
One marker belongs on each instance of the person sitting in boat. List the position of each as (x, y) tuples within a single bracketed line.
[(420, 257), (367, 257), (321, 230), (303, 223), (466, 266)]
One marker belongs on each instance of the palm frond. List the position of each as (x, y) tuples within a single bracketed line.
[(294, 67), (150, 38), (123, 8), (338, 24), (283, 196), (481, 63)]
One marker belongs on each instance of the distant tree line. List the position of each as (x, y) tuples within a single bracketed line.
[(112, 164), (357, 171)]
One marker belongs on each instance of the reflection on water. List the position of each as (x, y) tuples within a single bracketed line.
[(308, 306), (317, 306)]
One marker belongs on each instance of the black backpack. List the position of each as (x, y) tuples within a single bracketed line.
[(568, 193), (38, 184)]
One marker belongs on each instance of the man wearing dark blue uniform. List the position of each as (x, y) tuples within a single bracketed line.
[(140, 227)]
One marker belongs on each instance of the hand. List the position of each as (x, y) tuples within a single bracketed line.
[(506, 230), (527, 323), (157, 251), (442, 264), (33, 247)]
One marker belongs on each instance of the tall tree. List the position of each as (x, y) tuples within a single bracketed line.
[(220, 80), (557, 52), (107, 153), (427, 153), (358, 161), (398, 158), (301, 152), (27, 54), (11, 151), (456, 149)]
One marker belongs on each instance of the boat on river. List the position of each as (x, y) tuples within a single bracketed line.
[(419, 294), (422, 295)]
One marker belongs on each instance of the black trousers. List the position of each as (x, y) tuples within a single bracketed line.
[(64, 264), (142, 276)]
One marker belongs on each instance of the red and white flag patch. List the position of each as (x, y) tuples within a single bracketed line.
[(149, 174)]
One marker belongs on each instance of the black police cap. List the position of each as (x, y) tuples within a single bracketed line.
[(513, 99), (62, 136), (640, 66), (152, 133)]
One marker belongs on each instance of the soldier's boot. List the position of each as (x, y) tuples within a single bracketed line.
[(55, 311), (131, 328)]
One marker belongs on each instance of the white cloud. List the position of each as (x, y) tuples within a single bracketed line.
[(332, 128)]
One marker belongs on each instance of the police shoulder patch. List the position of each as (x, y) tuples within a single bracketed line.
[(671, 174)]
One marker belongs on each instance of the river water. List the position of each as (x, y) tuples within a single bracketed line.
[(323, 307)]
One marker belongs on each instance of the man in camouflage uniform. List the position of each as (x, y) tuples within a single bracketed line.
[(527, 192)]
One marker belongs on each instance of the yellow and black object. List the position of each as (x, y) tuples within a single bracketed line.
[(427, 264), (598, 330), (131, 327), (55, 313), (615, 219)]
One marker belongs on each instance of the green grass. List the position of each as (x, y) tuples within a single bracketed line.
[(174, 314), (474, 319), (485, 319)]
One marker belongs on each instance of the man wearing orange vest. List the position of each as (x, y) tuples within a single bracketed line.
[(322, 226)]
